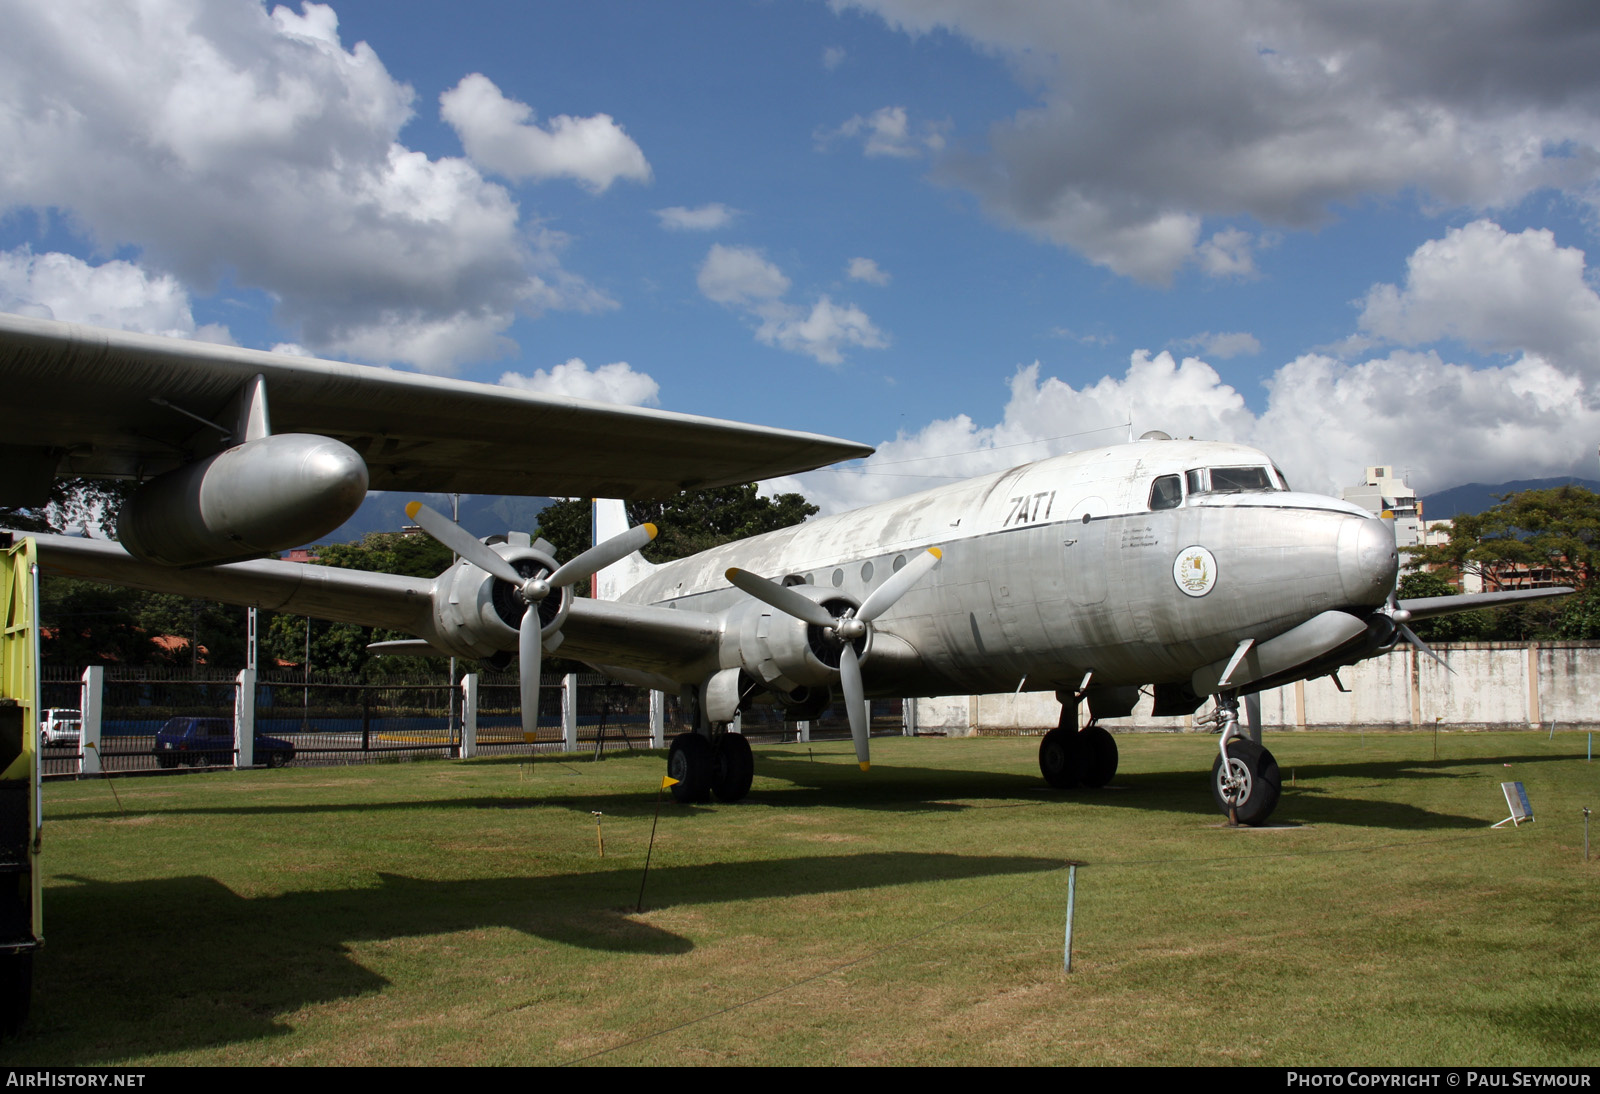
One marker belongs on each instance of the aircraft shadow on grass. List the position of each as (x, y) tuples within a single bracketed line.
[(832, 780), (181, 963)]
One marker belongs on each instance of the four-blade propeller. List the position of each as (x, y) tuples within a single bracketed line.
[(533, 590), (846, 629)]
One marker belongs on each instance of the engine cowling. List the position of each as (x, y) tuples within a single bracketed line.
[(250, 500), (477, 615), (790, 657)]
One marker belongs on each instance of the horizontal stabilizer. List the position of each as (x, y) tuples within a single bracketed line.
[(1429, 606), (405, 647)]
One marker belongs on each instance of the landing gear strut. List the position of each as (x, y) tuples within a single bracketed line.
[(1070, 757), (1245, 782)]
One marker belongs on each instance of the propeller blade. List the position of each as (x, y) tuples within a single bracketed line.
[(529, 654), (601, 555), (462, 542), (785, 600), (1411, 636), (855, 702), (883, 597)]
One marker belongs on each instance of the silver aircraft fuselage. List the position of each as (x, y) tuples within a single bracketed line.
[(1062, 567)]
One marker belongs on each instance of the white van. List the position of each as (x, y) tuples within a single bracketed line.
[(61, 727)]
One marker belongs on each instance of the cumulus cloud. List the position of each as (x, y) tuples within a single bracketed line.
[(742, 279), (887, 132), (1150, 118), (500, 134), (227, 141), (613, 383), (115, 294), (864, 269), (1324, 419), (1225, 344), (702, 218), (1490, 289)]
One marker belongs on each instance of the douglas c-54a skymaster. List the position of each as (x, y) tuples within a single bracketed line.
[(1188, 567)]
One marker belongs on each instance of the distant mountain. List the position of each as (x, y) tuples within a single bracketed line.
[(481, 514), (1475, 497)]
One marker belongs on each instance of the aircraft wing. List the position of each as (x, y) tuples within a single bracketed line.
[(84, 399), (325, 592), (1427, 607), (646, 644)]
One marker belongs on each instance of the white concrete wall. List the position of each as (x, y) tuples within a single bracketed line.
[(1494, 684)]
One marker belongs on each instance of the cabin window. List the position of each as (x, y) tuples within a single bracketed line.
[(1166, 492), (1232, 480)]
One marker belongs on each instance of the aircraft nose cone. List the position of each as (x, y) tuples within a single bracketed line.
[(1368, 560)]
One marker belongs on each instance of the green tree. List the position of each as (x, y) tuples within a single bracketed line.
[(687, 523), (1555, 534), (213, 634), (86, 623)]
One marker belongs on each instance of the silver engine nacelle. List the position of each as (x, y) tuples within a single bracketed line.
[(478, 615), (256, 498), (786, 654)]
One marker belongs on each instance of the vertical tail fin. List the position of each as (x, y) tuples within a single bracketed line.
[(610, 519)]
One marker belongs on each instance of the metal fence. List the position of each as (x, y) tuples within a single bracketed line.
[(324, 719)]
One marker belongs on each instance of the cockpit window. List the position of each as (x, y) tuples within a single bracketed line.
[(1281, 477), (1232, 480), (1166, 492)]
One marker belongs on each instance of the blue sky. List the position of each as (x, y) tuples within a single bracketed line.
[(973, 233)]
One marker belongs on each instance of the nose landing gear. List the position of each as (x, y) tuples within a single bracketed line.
[(1245, 782)]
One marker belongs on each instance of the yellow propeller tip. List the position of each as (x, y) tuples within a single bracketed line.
[(651, 528), (865, 765), (413, 508), (935, 552)]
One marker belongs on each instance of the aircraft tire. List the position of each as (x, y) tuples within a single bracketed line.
[(1060, 758), (1097, 756), (734, 768), (1262, 784), (691, 762)]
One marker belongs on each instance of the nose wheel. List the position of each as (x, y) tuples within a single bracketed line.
[(1245, 783)]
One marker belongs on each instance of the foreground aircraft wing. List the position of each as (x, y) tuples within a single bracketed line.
[(1427, 607), (98, 402)]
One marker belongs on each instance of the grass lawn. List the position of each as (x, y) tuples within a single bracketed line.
[(459, 912)]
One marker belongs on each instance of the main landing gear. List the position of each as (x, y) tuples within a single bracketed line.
[(1245, 782), (1070, 757), (720, 766)]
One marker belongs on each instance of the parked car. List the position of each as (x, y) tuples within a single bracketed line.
[(61, 728), (197, 741)]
